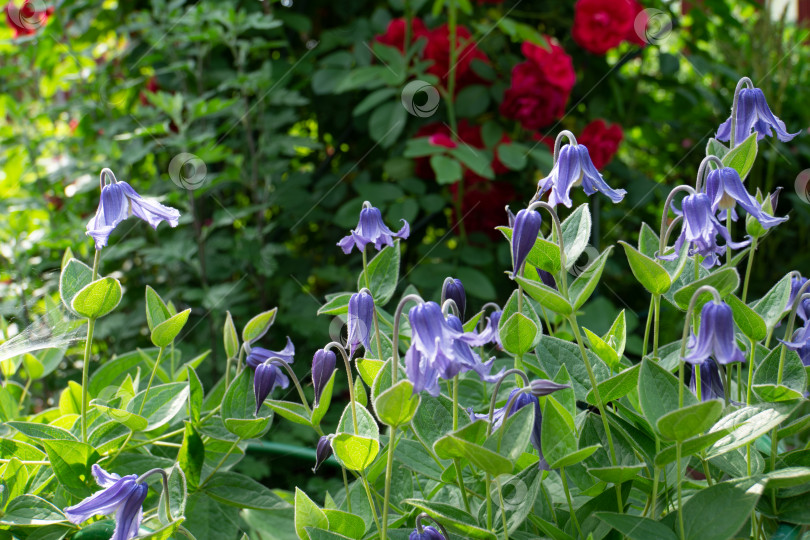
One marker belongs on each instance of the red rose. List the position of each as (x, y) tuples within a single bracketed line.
[(438, 50), (531, 100), (395, 33), (25, 20), (554, 63), (600, 25), (602, 141), (442, 139)]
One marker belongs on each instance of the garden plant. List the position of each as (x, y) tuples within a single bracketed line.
[(514, 420)]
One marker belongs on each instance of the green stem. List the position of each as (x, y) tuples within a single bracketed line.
[(488, 480), (739, 381), (456, 462), (657, 302), (503, 511), (346, 485), (728, 247), (570, 502), (347, 363), (706, 471), (370, 500), (650, 313), (221, 462), (697, 383), (750, 265), (389, 467), (88, 346), (656, 474), (151, 379), (680, 498), (376, 324), (753, 348)]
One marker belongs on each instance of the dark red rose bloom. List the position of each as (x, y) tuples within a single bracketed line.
[(395, 33), (438, 50), (600, 25), (151, 87), (25, 20), (483, 203), (638, 28), (554, 63), (602, 141), (531, 100), (442, 139)]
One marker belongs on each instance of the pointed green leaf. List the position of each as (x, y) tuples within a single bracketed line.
[(164, 333), (258, 326), (97, 298)]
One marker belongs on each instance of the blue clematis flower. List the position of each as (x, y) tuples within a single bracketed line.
[(711, 383), (725, 189), (716, 336), (360, 320), (573, 168), (323, 365), (453, 289), (700, 229), (803, 311), (521, 399), (118, 202), (124, 496), (754, 114), (371, 230), (469, 360), (267, 375), (428, 533), (434, 353), (801, 343), (495, 321), (524, 235)]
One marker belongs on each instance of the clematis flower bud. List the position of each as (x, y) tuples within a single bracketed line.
[(323, 365), (428, 533), (453, 289), (361, 317), (716, 337), (524, 234), (544, 387), (322, 452)]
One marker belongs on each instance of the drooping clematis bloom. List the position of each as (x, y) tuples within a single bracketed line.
[(371, 230), (453, 289), (123, 496), (803, 311), (267, 375), (495, 320), (264, 380), (754, 114), (322, 452), (801, 343), (323, 365), (573, 168), (715, 338), (118, 202), (428, 533), (524, 235), (711, 383), (360, 319), (700, 229), (469, 360), (725, 189)]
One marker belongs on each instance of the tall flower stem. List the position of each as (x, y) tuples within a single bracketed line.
[(389, 466), (748, 267), (681, 362), (88, 347), (656, 475), (370, 500), (348, 364), (728, 247), (395, 340), (570, 502), (503, 510), (151, 379), (657, 303), (376, 324), (275, 360), (650, 313), (165, 480), (456, 462), (680, 498)]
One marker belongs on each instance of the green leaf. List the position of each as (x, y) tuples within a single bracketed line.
[(477, 160), (346, 524), (616, 475), (165, 332), (649, 272), (512, 438), (446, 169), (360, 394), (14, 478), (452, 517), (558, 434), (701, 511), (544, 254), (191, 455), (397, 405), (20, 450), (637, 527), (355, 452), (97, 298), (178, 495), (336, 305), (43, 431), (386, 123), (241, 491), (716, 148), (307, 514), (658, 391), (576, 231), (725, 281), (554, 352), (689, 447), (546, 296), (258, 326), (196, 395), (513, 155), (239, 407), (74, 277), (741, 157), (368, 368), (322, 406), (766, 383), (71, 461), (518, 334), (690, 421), (519, 494), (229, 337), (748, 321), (582, 287), (30, 510), (466, 443), (292, 411), (616, 337), (163, 403), (617, 386), (748, 424), (772, 307), (434, 418), (156, 310), (383, 275)]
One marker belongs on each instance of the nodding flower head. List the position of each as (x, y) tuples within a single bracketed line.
[(323, 365), (711, 383), (715, 338), (573, 168), (428, 533), (453, 289), (700, 230), (322, 452), (803, 311), (118, 202), (753, 115), (524, 235), (268, 375), (122, 496), (801, 343), (372, 230), (725, 190), (360, 319)]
